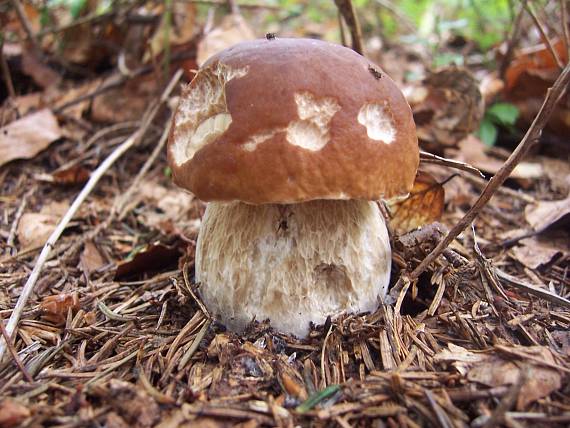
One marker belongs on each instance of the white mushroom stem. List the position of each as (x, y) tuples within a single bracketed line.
[(292, 264)]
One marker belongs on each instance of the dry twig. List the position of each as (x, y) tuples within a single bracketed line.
[(6, 70), (512, 43), (426, 157), (26, 24), (543, 34), (348, 12), (531, 136)]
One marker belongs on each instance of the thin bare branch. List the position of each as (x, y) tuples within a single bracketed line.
[(348, 12), (512, 43), (13, 352), (543, 34), (426, 157), (6, 70), (26, 24), (532, 135), (565, 32)]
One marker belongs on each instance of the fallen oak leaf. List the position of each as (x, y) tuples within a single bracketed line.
[(28, 136), (423, 205)]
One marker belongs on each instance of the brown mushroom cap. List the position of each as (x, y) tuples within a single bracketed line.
[(292, 120)]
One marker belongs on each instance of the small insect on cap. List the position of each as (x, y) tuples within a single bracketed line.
[(292, 120)]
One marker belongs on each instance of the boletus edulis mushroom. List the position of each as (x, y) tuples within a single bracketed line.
[(292, 142)]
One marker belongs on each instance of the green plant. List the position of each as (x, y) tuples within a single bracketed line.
[(498, 115)]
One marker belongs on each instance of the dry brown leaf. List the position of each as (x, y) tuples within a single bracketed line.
[(532, 59), (42, 74), (72, 176), (152, 258), (55, 307), (459, 357), (12, 413), (490, 87), (528, 77), (126, 103), (182, 29), (424, 205), (537, 251), (19, 106), (558, 172), (26, 137), (35, 228), (91, 259), (232, 30), (173, 206), (540, 382), (545, 213), (64, 95)]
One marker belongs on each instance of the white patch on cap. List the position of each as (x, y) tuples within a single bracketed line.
[(210, 129), (378, 123), (251, 144), (312, 131), (202, 115)]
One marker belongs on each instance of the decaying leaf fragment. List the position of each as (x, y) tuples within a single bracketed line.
[(35, 228), (447, 107), (56, 307), (91, 259), (154, 257), (232, 30), (489, 369), (540, 381), (12, 413), (424, 205), (546, 213), (26, 137)]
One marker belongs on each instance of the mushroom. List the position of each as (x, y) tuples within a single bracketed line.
[(292, 142)]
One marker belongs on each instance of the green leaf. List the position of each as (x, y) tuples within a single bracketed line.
[(75, 7), (316, 398), (503, 113), (447, 58), (488, 132)]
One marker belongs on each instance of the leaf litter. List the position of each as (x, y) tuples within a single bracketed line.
[(135, 348)]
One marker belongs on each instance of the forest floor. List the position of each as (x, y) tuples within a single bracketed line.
[(113, 333)]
